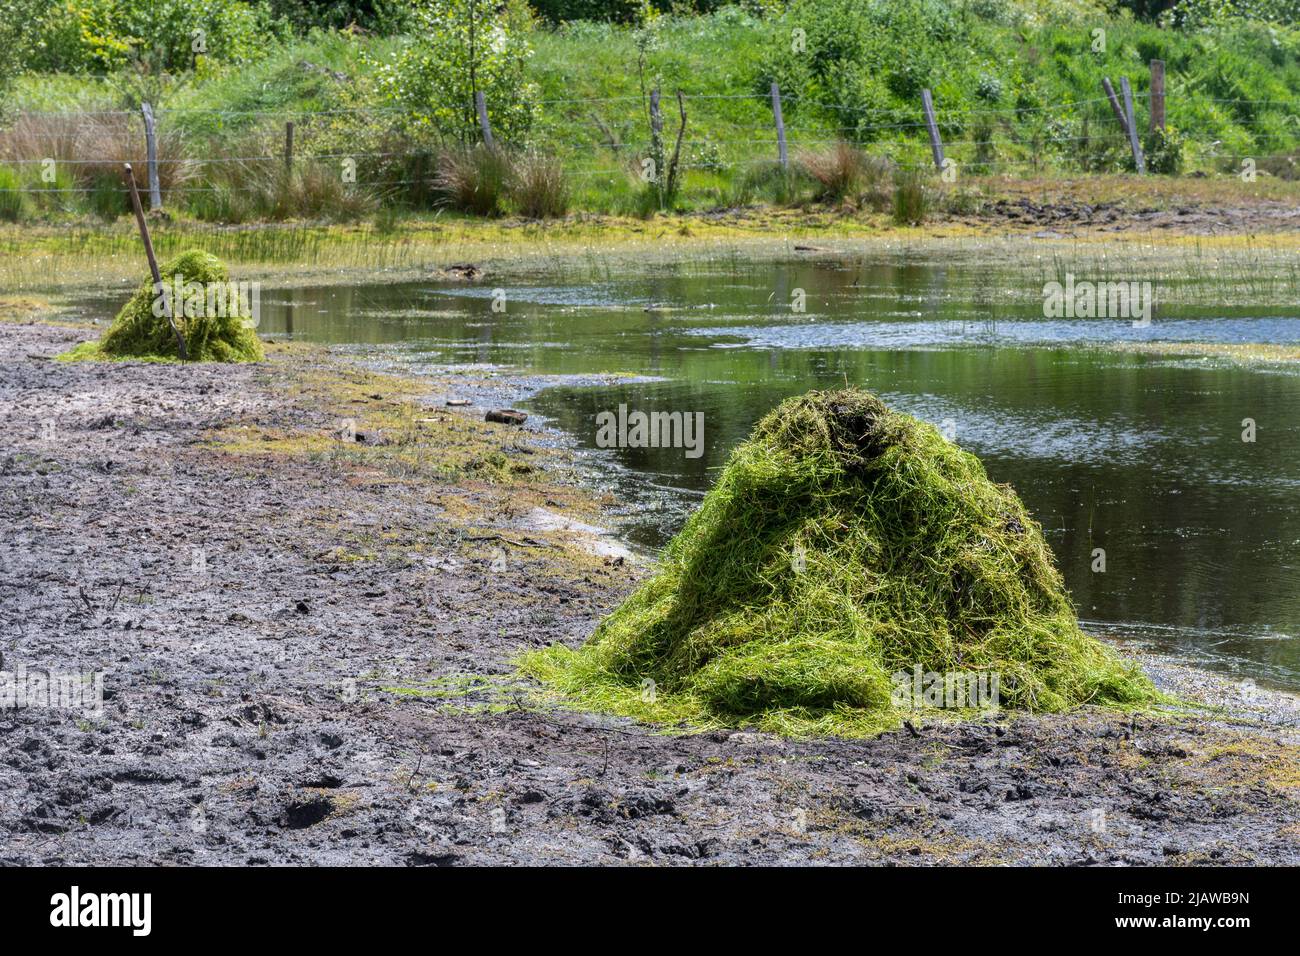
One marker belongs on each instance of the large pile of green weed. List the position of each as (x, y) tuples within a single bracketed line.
[(211, 315), (843, 547)]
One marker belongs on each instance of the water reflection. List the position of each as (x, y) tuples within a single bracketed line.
[(1139, 455)]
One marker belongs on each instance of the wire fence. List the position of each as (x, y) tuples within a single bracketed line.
[(602, 137)]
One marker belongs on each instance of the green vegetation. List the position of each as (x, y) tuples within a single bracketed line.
[(215, 329), (379, 115), (842, 544)]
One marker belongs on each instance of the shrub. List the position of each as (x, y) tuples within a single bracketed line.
[(769, 182), (461, 47), (79, 36), (1164, 151), (108, 196)]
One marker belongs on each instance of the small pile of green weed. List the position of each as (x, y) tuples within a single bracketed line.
[(843, 547), (215, 330)]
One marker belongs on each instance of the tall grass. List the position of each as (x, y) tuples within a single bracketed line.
[(539, 187), (266, 190), (911, 197), (13, 201), (474, 179)]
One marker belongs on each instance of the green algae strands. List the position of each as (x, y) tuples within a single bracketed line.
[(213, 317), (845, 551)]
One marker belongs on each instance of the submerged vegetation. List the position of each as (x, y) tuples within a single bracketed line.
[(209, 312), (843, 545)]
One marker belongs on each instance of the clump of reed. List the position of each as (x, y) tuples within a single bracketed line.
[(538, 186), (87, 152), (911, 197), (487, 181)]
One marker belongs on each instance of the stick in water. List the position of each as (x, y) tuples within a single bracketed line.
[(153, 262)]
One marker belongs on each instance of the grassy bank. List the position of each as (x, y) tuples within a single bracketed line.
[(1017, 87)]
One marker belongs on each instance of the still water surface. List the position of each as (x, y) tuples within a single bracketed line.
[(1137, 454)]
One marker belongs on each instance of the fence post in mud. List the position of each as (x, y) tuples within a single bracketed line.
[(780, 127), (1138, 159), (1157, 95), (480, 104), (288, 146), (936, 144), (151, 157)]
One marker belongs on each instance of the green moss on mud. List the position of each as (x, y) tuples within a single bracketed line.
[(843, 544)]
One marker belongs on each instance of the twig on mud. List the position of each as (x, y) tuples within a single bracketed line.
[(418, 764), (606, 766), (526, 543)]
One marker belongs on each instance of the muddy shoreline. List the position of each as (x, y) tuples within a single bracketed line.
[(293, 696)]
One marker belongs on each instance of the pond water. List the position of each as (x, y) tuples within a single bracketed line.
[(1138, 454)]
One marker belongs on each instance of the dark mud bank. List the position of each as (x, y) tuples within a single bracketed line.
[(250, 718)]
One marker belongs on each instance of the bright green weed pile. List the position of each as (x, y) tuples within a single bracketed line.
[(224, 337), (842, 544)]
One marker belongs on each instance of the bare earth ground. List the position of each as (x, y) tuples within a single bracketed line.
[(247, 720)]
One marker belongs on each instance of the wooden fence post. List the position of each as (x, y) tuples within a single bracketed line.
[(288, 146), (936, 144), (1114, 103), (480, 104), (780, 127), (1157, 95), (657, 139), (151, 157), (1138, 159)]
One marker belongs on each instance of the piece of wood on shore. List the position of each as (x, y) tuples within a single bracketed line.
[(506, 416), (153, 261)]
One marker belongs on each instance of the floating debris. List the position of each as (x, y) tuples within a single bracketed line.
[(507, 416)]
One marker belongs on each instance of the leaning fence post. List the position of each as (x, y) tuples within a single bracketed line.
[(151, 157), (288, 146), (780, 126), (480, 104), (1157, 95), (1117, 109), (153, 262), (1138, 159), (936, 144), (1114, 104)]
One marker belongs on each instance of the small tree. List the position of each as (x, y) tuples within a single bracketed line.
[(13, 20), (462, 47)]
